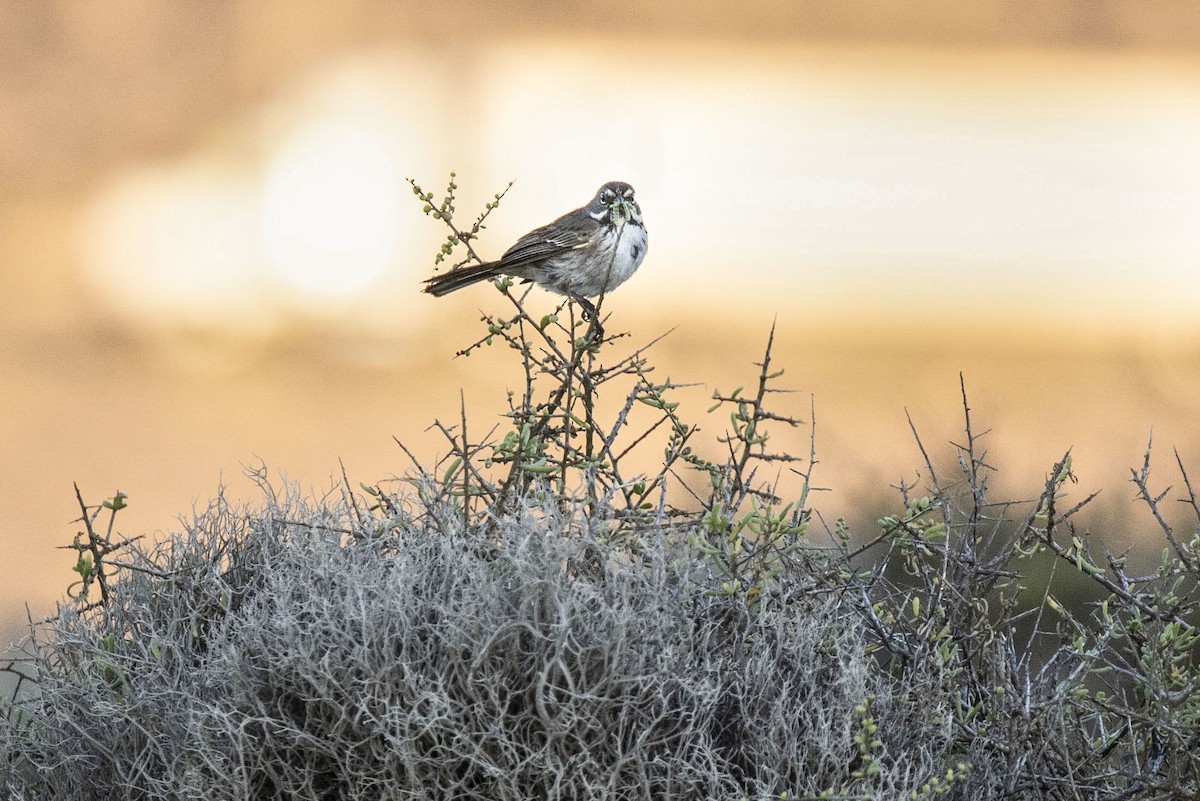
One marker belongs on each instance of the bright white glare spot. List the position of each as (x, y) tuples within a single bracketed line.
[(330, 209)]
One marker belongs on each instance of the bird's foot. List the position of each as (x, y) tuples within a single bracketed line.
[(591, 315), (589, 308), (595, 332)]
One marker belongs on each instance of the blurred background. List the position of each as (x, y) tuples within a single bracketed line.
[(210, 261)]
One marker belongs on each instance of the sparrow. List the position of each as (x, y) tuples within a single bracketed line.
[(583, 254)]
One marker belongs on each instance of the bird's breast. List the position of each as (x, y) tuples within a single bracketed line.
[(623, 251), (601, 266)]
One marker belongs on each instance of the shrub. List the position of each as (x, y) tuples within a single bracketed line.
[(529, 617), (543, 662)]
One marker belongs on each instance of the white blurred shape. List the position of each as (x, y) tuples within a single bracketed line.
[(843, 177), (330, 208), (176, 246), (293, 215)]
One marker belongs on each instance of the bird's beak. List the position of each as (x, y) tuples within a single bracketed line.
[(621, 210)]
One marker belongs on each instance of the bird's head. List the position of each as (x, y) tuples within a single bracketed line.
[(614, 204)]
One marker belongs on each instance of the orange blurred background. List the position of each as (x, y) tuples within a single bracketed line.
[(209, 259)]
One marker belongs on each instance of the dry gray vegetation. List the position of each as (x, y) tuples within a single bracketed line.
[(525, 620), (256, 658)]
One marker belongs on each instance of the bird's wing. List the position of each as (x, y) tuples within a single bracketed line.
[(541, 244)]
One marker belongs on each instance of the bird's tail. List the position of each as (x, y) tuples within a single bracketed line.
[(454, 280)]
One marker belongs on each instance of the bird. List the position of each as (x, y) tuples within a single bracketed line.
[(585, 253)]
